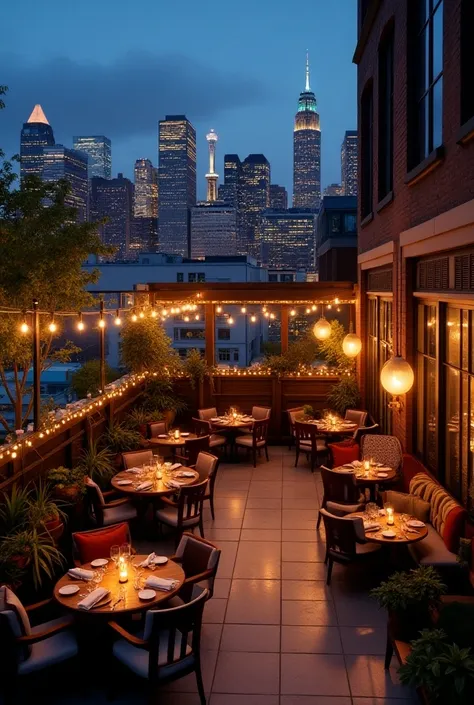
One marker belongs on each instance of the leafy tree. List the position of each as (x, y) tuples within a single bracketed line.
[(42, 249), (87, 379), (145, 346), (331, 351)]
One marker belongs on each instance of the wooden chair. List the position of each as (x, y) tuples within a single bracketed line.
[(200, 560), (157, 428), (168, 649), (260, 413), (292, 414), (256, 440), (341, 493), (96, 543), (192, 448), (308, 440), (207, 466), (204, 428), (137, 458), (186, 512), (105, 513), (28, 649), (356, 416), (207, 414), (345, 541), (383, 449)]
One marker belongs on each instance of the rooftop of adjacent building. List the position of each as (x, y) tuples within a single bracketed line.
[(163, 258), (338, 203)]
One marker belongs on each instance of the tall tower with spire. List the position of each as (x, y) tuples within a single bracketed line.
[(211, 176), (307, 150), (36, 134)]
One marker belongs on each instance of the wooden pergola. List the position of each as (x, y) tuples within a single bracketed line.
[(283, 294)]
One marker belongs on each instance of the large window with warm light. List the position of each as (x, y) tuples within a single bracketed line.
[(426, 375), (379, 350)]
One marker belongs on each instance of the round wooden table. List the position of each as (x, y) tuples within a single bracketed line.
[(159, 486), (337, 430), (237, 423), (110, 581), (171, 441), (402, 537), (372, 478)]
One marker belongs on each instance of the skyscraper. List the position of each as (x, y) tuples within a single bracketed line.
[(228, 191), (211, 176), (177, 183), (62, 163), (278, 197), (349, 163), (287, 238), (113, 199), (99, 150), (36, 134), (144, 231), (333, 190), (253, 194), (307, 150), (213, 229)]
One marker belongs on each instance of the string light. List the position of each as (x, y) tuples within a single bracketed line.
[(292, 312), (24, 328), (266, 314), (230, 320), (219, 309), (80, 323), (243, 309), (101, 323), (336, 301), (196, 317), (141, 314), (154, 314), (314, 307), (329, 306), (52, 326), (134, 317), (308, 310), (272, 316), (117, 319), (186, 319), (253, 319)]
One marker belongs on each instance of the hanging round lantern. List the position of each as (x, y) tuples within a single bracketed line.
[(351, 345), (322, 329), (397, 376)]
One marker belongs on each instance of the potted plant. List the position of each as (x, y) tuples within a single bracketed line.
[(410, 598), (44, 514), (159, 397), (29, 550), (87, 378), (67, 484), (344, 395), (14, 509), (138, 419), (97, 464), (445, 671)]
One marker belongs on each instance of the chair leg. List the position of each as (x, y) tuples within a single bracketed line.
[(319, 520), (201, 527), (330, 564), (388, 653), (211, 502), (326, 557), (297, 456), (200, 684), (266, 453)]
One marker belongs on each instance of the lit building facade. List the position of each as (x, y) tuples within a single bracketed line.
[(287, 238), (349, 163), (278, 197), (113, 199), (229, 190), (211, 176), (334, 190), (144, 230), (307, 151), (36, 134), (99, 151), (177, 183), (213, 230), (63, 163), (253, 197)]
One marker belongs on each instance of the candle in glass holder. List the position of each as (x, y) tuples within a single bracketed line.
[(176, 434), (159, 473), (123, 570), (234, 415), (367, 465), (390, 517)]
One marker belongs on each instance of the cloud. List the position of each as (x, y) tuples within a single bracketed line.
[(123, 99)]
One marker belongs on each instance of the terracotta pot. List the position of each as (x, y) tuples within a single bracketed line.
[(20, 560), (68, 494), (54, 528), (142, 429)]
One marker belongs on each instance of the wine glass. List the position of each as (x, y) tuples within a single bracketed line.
[(125, 550), (115, 554)]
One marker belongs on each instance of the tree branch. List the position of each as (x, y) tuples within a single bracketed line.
[(7, 388)]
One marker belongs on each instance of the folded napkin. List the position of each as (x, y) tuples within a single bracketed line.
[(174, 483), (148, 561), (175, 466), (357, 463), (123, 482), (371, 526), (165, 584), (147, 485), (383, 469), (132, 470), (93, 598), (81, 573)]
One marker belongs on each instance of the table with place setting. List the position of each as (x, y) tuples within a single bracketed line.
[(232, 420), (367, 473), (172, 440), (154, 480), (389, 527), (122, 584), (332, 425)]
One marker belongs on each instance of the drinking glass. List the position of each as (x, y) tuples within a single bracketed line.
[(125, 550), (114, 554)]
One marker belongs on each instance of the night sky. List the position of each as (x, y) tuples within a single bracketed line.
[(116, 67)]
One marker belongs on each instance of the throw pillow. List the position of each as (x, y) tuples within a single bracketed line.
[(342, 454), (96, 544), (409, 504)]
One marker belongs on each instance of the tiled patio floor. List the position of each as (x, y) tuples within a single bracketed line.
[(274, 634)]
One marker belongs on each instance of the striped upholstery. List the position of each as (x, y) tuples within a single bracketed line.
[(422, 485)]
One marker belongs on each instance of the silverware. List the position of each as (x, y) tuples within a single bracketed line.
[(119, 599)]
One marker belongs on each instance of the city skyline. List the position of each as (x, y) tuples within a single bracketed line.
[(247, 97)]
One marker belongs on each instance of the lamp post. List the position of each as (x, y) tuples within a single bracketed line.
[(36, 367)]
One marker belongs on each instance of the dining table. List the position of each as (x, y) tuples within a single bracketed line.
[(404, 534), (128, 481), (340, 428), (170, 442), (122, 597), (233, 425)]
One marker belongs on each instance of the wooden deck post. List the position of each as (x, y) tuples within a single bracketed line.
[(210, 333), (284, 327)]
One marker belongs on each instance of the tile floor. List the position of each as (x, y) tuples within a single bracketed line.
[(273, 633)]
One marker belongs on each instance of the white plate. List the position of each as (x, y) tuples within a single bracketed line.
[(185, 434), (124, 482), (215, 418), (146, 594), (349, 466), (160, 560), (68, 590), (99, 562), (382, 474), (162, 435), (416, 524), (389, 534), (186, 474)]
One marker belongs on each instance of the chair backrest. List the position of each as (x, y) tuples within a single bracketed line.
[(357, 416), (201, 427), (339, 486), (198, 556), (190, 501), (194, 446), (206, 465), (365, 430), (307, 432), (260, 430), (155, 428), (135, 458), (292, 414), (14, 623), (95, 500), (261, 412), (174, 634), (383, 449), (207, 414), (96, 543), (342, 534)]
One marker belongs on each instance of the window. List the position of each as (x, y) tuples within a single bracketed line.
[(287, 277), (426, 375), (191, 277), (228, 354), (201, 277), (223, 334), (336, 223), (273, 277), (350, 223), (379, 350), (385, 126), (366, 134), (467, 60), (427, 80), (180, 277), (188, 333)]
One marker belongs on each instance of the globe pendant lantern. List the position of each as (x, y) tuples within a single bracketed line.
[(397, 376), (322, 329), (351, 345)]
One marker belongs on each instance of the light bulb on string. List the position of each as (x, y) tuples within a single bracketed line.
[(266, 314), (230, 320), (272, 316), (24, 327), (141, 314), (253, 318), (117, 319), (186, 319), (314, 307), (336, 301), (164, 312), (101, 323), (329, 306), (80, 323), (243, 309), (219, 309), (308, 310), (134, 317), (292, 312), (52, 326), (196, 317), (154, 313)]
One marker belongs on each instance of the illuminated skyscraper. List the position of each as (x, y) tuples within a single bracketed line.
[(99, 150), (211, 176), (333, 190), (287, 238), (213, 229), (113, 199), (349, 163), (278, 197), (307, 150), (36, 134), (228, 191), (177, 183), (62, 163), (253, 197), (144, 231)]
